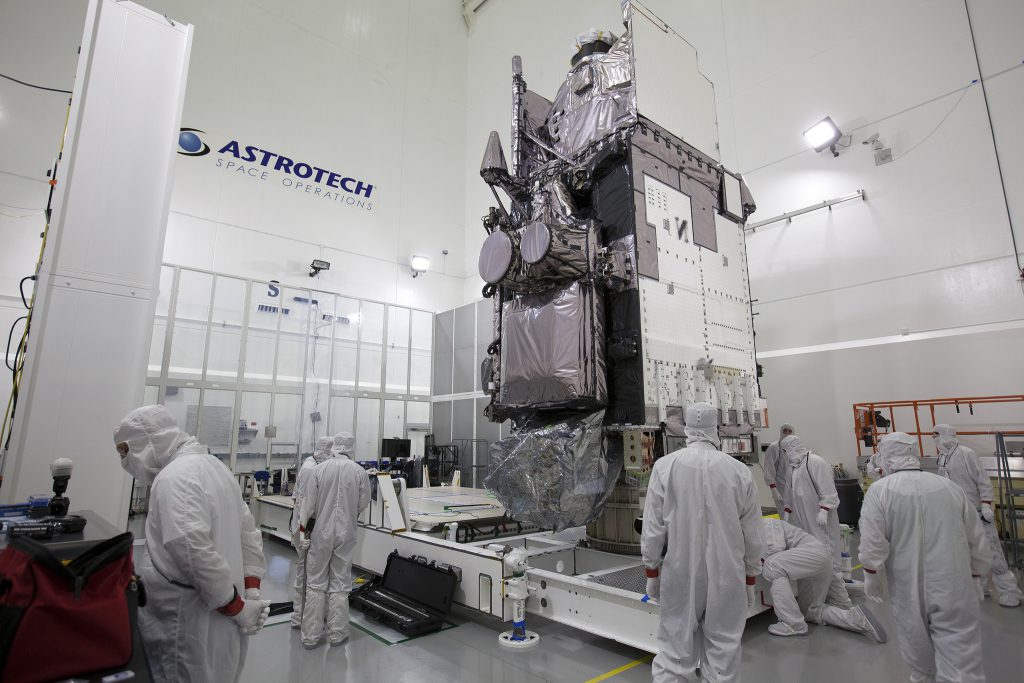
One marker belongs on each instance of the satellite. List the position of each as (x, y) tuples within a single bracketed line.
[(617, 268)]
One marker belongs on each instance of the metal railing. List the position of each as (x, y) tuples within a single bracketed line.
[(870, 422), (1009, 512)]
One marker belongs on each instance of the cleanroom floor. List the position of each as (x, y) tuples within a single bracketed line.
[(470, 652)]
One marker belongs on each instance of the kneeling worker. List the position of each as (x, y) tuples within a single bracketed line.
[(794, 555)]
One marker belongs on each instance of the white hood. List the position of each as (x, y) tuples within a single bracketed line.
[(154, 440), (897, 452)]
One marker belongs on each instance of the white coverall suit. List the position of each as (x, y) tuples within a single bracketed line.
[(701, 504), (776, 469), (321, 451), (960, 464), (793, 555), (922, 532), (337, 492), (813, 499), (202, 546)]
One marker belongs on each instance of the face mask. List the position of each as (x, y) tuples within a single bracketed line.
[(134, 465), (794, 459)]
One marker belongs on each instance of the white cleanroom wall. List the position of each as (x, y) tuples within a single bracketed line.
[(372, 90)]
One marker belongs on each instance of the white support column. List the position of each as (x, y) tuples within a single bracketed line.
[(96, 293)]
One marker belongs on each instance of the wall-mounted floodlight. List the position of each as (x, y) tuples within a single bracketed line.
[(317, 265), (823, 135), (419, 265)]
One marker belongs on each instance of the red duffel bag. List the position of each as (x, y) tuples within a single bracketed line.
[(60, 620)]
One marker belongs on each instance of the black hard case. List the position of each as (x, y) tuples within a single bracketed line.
[(413, 597)]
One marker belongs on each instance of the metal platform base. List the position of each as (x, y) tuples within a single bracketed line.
[(569, 582), (569, 536), (507, 641), (429, 508), (616, 547), (630, 579), (433, 506)]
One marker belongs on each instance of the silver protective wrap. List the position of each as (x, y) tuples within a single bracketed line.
[(675, 421), (554, 475), (558, 244), (552, 350), (536, 242), (493, 164), (535, 110), (746, 199), (596, 99), (563, 261), (494, 356), (496, 257), (556, 253), (618, 264)]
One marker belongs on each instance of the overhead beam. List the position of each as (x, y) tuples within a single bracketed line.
[(827, 204)]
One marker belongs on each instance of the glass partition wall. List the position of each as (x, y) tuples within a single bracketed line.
[(257, 371)]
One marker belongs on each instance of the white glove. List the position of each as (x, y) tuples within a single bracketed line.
[(303, 543), (654, 588), (874, 586), (252, 593), (822, 518), (986, 512), (786, 512), (979, 588), (252, 617), (751, 597), (777, 497)]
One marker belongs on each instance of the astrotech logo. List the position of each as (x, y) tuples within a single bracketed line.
[(256, 164), (190, 144)]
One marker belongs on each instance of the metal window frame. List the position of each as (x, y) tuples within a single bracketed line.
[(476, 393), (240, 386)]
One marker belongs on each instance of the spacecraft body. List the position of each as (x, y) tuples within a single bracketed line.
[(618, 275)]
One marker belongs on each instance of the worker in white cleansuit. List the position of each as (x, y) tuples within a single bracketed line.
[(960, 464), (919, 531), (337, 492), (792, 555), (204, 555), (344, 445), (321, 451), (701, 505), (811, 504), (776, 468)]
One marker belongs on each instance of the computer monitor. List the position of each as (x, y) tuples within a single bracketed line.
[(395, 448)]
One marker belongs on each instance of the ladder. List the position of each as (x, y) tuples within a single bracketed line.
[(1010, 512)]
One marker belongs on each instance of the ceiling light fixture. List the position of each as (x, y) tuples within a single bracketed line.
[(419, 265), (823, 135)]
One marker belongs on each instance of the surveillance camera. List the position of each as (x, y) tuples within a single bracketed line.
[(317, 265), (870, 139)]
